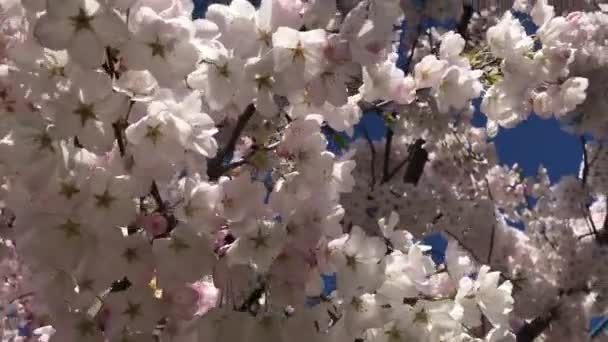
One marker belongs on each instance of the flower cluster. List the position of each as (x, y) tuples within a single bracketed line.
[(171, 179)]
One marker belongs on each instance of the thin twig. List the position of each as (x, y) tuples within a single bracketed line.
[(387, 155), (157, 198), (585, 161), (27, 294)]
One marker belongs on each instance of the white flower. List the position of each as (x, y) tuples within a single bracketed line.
[(357, 259), (400, 239), (237, 27), (240, 197), (456, 88), (503, 107), (110, 203), (428, 71), (260, 245), (508, 38), (83, 27), (219, 77), (572, 93), (542, 12), (71, 326), (458, 262), (483, 296), (164, 47), (134, 309), (407, 275), (196, 129), (384, 81), (299, 55), (452, 45), (200, 203), (362, 312), (184, 257)]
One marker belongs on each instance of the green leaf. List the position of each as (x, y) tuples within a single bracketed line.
[(340, 140), (390, 120)]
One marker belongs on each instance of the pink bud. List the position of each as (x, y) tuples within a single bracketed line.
[(574, 17), (207, 296), (155, 223)]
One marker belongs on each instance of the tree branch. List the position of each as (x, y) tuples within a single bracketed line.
[(535, 328), (157, 198), (215, 167), (585, 161), (415, 167), (465, 19), (387, 155)]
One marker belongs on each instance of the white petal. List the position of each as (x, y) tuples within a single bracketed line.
[(86, 49), (63, 8), (110, 28), (53, 33)]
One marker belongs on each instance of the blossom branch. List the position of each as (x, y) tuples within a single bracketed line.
[(465, 19), (415, 167), (535, 328), (215, 167), (387, 155)]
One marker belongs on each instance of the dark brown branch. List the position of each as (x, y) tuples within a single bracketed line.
[(387, 155), (415, 166), (531, 330), (119, 130), (157, 198), (465, 19), (119, 138), (413, 48), (215, 167)]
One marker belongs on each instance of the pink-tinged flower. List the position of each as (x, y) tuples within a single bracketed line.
[(155, 224), (207, 296)]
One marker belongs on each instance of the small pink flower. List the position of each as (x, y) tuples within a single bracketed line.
[(207, 296), (155, 223), (290, 6), (574, 17)]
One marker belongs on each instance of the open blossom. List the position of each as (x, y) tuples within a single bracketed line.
[(357, 260), (508, 38), (387, 82), (429, 71), (290, 170), (164, 47), (298, 56), (83, 27), (484, 295)]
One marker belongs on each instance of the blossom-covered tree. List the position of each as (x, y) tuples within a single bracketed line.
[(170, 179)]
